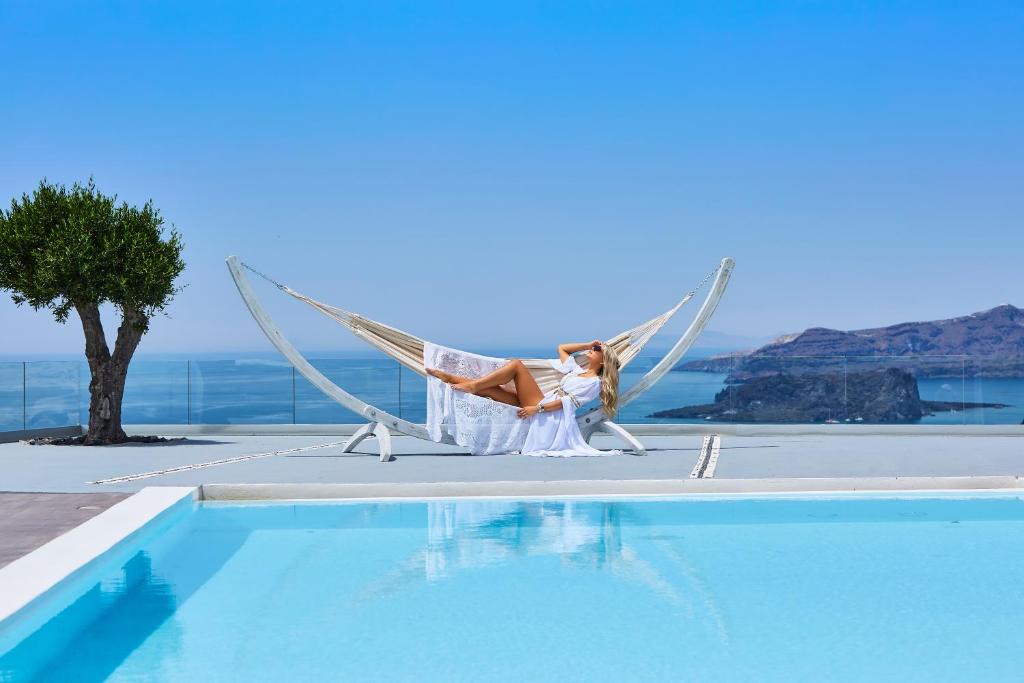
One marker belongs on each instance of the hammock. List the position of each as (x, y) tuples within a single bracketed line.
[(408, 350)]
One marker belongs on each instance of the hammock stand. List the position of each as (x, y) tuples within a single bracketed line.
[(402, 346)]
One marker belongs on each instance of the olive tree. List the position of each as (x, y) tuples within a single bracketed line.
[(77, 249)]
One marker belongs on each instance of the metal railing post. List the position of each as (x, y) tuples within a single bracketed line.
[(963, 391), (294, 421), (188, 391), (846, 396), (24, 395)]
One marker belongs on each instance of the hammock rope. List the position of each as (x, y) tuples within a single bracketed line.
[(407, 348)]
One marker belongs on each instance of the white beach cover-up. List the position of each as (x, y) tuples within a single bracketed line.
[(487, 427)]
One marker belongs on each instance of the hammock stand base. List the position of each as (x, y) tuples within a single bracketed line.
[(618, 430), (368, 430), (383, 435), (381, 424)]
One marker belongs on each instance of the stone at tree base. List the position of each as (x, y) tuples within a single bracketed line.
[(80, 440)]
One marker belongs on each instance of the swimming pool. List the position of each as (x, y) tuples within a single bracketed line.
[(783, 588)]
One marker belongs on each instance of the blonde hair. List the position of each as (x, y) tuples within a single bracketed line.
[(609, 374)]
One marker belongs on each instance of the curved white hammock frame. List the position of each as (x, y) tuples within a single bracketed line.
[(381, 423)]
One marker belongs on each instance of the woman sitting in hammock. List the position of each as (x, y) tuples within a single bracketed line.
[(547, 420)]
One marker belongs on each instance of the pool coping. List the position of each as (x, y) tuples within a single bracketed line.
[(604, 487), (31, 576)]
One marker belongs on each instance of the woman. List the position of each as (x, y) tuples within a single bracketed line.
[(552, 428)]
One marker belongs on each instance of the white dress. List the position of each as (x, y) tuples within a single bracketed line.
[(556, 433), (487, 427)]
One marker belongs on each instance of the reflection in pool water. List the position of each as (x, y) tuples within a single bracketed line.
[(741, 589), (464, 536), (119, 612)]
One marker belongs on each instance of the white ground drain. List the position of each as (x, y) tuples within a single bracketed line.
[(704, 468), (211, 463)]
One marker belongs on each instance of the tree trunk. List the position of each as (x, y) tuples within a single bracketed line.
[(108, 371)]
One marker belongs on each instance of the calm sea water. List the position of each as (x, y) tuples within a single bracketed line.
[(267, 390), (850, 589)]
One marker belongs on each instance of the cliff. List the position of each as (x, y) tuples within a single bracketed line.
[(991, 343)]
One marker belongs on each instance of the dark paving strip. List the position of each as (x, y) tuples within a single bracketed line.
[(29, 520)]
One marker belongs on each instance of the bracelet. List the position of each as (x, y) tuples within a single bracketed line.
[(540, 407)]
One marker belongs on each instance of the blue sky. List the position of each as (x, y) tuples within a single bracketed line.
[(524, 173)]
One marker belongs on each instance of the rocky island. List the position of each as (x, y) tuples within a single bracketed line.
[(876, 396)]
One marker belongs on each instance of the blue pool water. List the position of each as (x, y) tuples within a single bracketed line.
[(845, 589)]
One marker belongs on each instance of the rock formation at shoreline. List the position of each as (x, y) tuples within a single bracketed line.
[(887, 395)]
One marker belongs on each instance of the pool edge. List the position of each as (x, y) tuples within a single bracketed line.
[(32, 576), (604, 487)]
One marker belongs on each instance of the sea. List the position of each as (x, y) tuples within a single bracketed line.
[(264, 389)]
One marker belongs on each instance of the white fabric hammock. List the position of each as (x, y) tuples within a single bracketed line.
[(408, 349)]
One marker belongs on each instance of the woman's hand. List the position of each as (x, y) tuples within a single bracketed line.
[(527, 411)]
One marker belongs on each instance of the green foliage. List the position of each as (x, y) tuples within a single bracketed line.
[(61, 248)]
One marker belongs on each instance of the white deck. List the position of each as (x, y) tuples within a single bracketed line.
[(70, 469)]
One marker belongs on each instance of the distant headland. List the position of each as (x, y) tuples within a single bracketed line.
[(985, 344), (825, 375)]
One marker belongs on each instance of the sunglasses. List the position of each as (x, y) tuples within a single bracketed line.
[(596, 347)]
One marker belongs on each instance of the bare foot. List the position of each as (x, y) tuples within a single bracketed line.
[(468, 387), (440, 374)]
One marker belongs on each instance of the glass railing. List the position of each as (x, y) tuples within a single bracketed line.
[(787, 390), (843, 390), (39, 394), (156, 392), (13, 413), (376, 381)]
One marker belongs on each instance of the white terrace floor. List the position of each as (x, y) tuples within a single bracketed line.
[(71, 469)]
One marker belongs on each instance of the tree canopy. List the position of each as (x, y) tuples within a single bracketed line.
[(63, 248)]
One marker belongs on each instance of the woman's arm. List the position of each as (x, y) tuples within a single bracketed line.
[(527, 411), (566, 350)]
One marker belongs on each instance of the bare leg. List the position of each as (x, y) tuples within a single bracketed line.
[(449, 378), (494, 393), (503, 375), (446, 377), (527, 391), (500, 395)]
